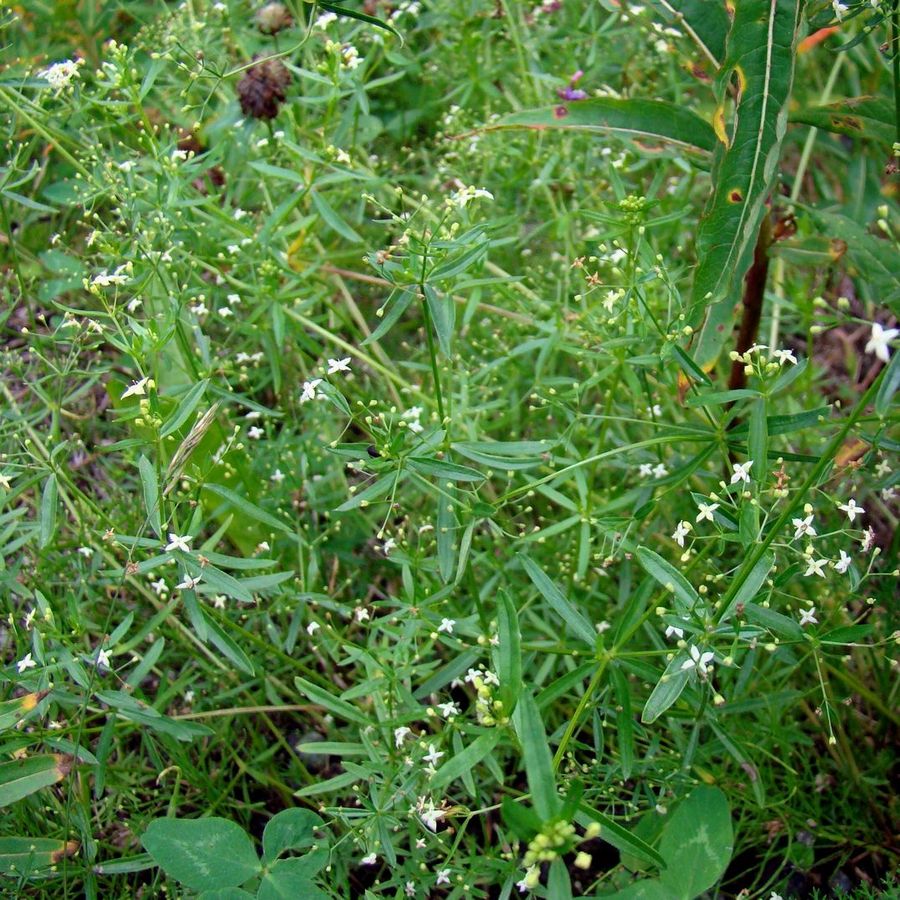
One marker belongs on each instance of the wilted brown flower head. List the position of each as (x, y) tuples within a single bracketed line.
[(271, 18), (261, 90)]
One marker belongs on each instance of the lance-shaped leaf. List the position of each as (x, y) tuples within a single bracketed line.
[(22, 855), (866, 118), (759, 58), (21, 777), (648, 122)]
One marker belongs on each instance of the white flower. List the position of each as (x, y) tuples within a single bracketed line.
[(880, 340), (26, 662), (808, 617), (105, 279), (839, 8), (338, 365), (472, 674), (447, 625), (5, 482), (443, 877), (362, 614), (410, 889), (815, 567), (369, 860), (784, 356), (706, 511), (431, 816), (59, 74), (277, 476), (219, 601), (400, 735), (698, 659), (433, 755), (309, 390), (803, 526), (599, 627), (102, 661), (325, 20), (189, 583), (29, 619), (350, 57), (843, 563), (645, 470), (851, 509), (674, 629), (491, 678), (135, 389), (660, 471), (741, 472), (312, 628), (448, 709), (179, 543), (388, 545), (681, 532), (868, 541), (531, 880), (465, 195), (159, 586), (86, 552), (255, 432)]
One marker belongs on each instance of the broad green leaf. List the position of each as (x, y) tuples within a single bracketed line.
[(340, 708), (866, 118), (760, 52), (577, 623), (186, 406), (705, 22), (649, 121), (13, 711), (21, 855), (668, 689), (537, 757), (243, 505), (291, 879), (441, 469), (21, 777), (697, 843), (229, 893), (48, 510), (291, 829), (509, 652), (670, 578), (467, 760), (203, 854), (150, 486)]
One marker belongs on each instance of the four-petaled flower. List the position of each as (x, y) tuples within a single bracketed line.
[(851, 509), (879, 342), (808, 617), (26, 662), (369, 860), (400, 735), (338, 365), (815, 567), (741, 472), (784, 356), (674, 629), (179, 543), (433, 755), (135, 389), (189, 583), (681, 532), (698, 659), (706, 511), (843, 563), (803, 526), (448, 709), (443, 877), (102, 661), (447, 625), (309, 390)]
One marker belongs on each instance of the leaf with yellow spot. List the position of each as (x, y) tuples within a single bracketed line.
[(14, 711), (23, 855)]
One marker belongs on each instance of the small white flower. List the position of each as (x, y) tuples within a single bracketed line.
[(698, 659), (839, 8), (338, 365), (219, 601), (255, 432), (843, 563), (645, 470), (466, 195), (674, 629), (433, 755), (472, 674), (600, 627), (803, 526), (879, 342), (59, 74), (400, 735), (362, 614), (741, 472), (388, 545), (808, 617), (868, 541), (159, 586), (443, 877), (179, 543), (431, 816), (681, 532), (410, 889), (815, 567), (325, 20), (851, 509), (660, 471), (448, 709), (309, 390), (784, 356), (102, 661), (491, 678), (312, 628), (86, 552), (369, 860), (135, 389), (706, 511), (29, 619), (277, 476), (25, 663), (189, 583), (447, 625)]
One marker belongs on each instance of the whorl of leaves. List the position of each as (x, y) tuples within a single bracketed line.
[(262, 89)]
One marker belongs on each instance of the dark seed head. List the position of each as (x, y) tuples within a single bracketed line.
[(262, 89)]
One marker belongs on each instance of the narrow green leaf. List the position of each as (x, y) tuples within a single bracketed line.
[(577, 623), (718, 398), (441, 469), (774, 621), (624, 721), (340, 708), (150, 486), (446, 534), (464, 762), (509, 653), (641, 120), (760, 53), (755, 579), (890, 383), (670, 578), (185, 408), (537, 757), (13, 711), (668, 689), (228, 647), (339, 10), (559, 885), (397, 304), (332, 219), (442, 311), (620, 837), (48, 510), (863, 118), (374, 491), (21, 777), (243, 505), (758, 443)]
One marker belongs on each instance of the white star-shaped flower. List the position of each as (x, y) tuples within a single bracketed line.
[(681, 532), (843, 563), (369, 860), (448, 709), (443, 877), (338, 365), (741, 472), (25, 663), (706, 511), (803, 526), (784, 356), (851, 509), (815, 567), (179, 543), (309, 390), (433, 755), (189, 583), (698, 659), (879, 342), (312, 628), (277, 476), (674, 629), (808, 617), (447, 625), (400, 735), (135, 389), (102, 661)]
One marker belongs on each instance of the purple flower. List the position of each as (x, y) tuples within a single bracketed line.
[(571, 93)]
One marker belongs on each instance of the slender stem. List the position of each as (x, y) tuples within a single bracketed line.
[(432, 352), (895, 54), (575, 721)]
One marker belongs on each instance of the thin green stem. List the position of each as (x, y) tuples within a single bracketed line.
[(575, 721)]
